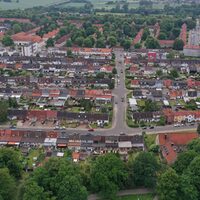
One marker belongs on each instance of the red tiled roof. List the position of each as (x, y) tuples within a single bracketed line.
[(183, 33), (166, 42), (138, 37), (22, 36), (134, 82), (51, 34), (169, 142)]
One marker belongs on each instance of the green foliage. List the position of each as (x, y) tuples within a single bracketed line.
[(198, 129), (7, 41), (108, 174), (152, 43), (146, 34), (178, 44), (16, 28), (114, 71), (57, 179), (174, 73), (112, 41), (191, 105), (10, 159), (50, 43), (194, 145), (137, 46), (126, 44), (86, 104), (3, 110), (87, 42), (8, 185), (168, 185), (145, 168), (183, 161)]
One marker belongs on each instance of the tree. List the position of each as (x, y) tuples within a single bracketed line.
[(183, 161), (32, 191), (194, 145), (174, 73), (71, 189), (57, 179), (114, 70), (7, 41), (137, 46), (162, 36), (145, 34), (79, 41), (168, 184), (87, 42), (10, 159), (12, 102), (108, 174), (17, 28), (150, 106), (152, 43), (191, 105), (69, 43), (50, 43), (112, 41), (198, 129), (8, 185), (178, 44), (3, 110), (144, 170), (126, 44), (100, 43)]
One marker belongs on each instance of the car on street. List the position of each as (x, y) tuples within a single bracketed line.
[(151, 127), (91, 129)]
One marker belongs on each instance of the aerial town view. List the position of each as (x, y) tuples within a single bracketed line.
[(99, 100)]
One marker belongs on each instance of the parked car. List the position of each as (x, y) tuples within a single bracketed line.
[(91, 129)]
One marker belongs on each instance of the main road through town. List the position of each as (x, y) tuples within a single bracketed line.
[(119, 125)]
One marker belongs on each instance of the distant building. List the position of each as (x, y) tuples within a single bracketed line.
[(191, 50)]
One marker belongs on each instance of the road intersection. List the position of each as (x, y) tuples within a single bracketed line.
[(119, 125)]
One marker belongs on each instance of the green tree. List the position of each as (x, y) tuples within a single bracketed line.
[(194, 172), (3, 110), (71, 189), (137, 46), (12, 102), (8, 185), (10, 158), (79, 41), (7, 41), (126, 44), (108, 174), (178, 44), (144, 170), (69, 43), (162, 36), (114, 70), (112, 41), (88, 42), (145, 34), (168, 185), (100, 43), (50, 43), (198, 129), (194, 145), (152, 43), (183, 161), (17, 28), (32, 191), (174, 73)]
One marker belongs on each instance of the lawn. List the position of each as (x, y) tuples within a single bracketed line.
[(150, 140), (137, 197), (28, 4)]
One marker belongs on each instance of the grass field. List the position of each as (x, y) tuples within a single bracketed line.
[(28, 4), (137, 197)]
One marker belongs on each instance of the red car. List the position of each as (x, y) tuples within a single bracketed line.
[(91, 129)]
